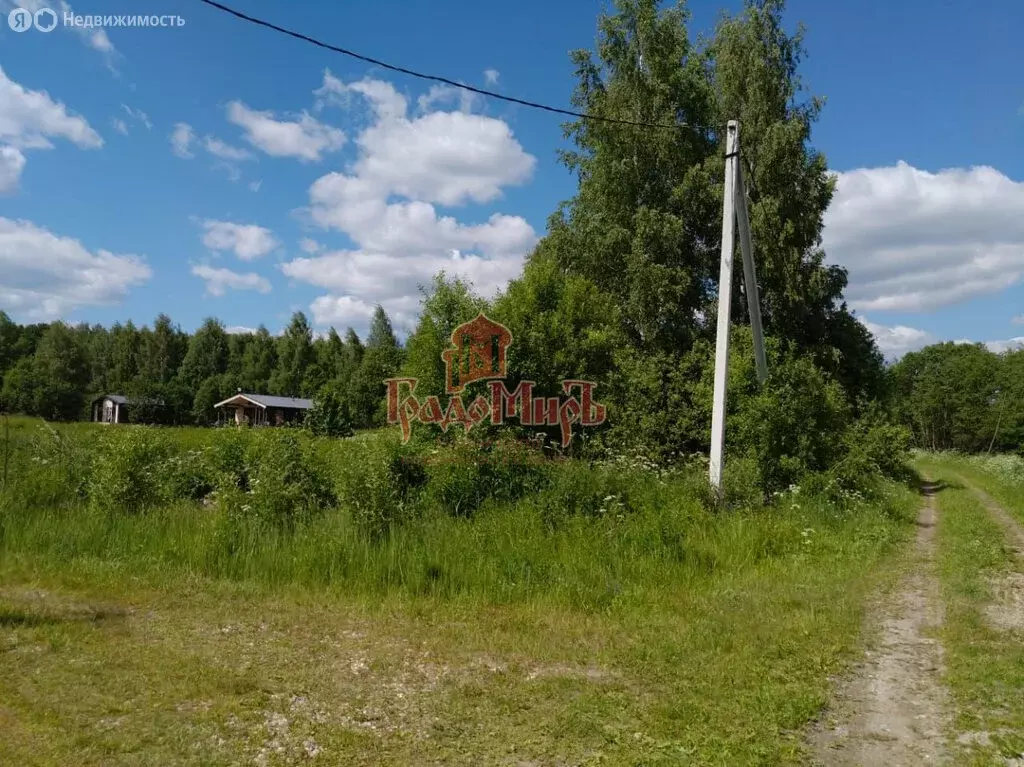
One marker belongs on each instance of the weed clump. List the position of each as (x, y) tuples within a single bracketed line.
[(130, 471), (278, 479)]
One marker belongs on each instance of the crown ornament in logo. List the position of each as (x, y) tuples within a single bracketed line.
[(479, 352)]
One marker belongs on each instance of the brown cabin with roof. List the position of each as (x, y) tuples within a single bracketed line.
[(261, 409)]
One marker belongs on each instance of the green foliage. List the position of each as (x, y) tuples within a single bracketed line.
[(795, 425), (445, 305), (619, 291), (52, 382), (189, 475), (207, 354), (562, 326), (295, 355), (468, 473), (57, 471), (381, 359), (330, 416), (576, 490), (129, 471), (961, 397), (378, 482), (258, 362), (20, 386), (209, 392), (225, 459), (1007, 469), (286, 480)]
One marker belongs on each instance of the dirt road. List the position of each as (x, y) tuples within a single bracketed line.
[(893, 710)]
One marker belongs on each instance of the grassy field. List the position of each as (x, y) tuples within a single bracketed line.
[(648, 630), (982, 579)]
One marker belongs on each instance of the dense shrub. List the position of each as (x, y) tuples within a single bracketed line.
[(283, 478), (54, 470), (129, 471), (225, 460), (188, 475), (794, 425), (330, 416), (378, 481), (468, 473), (580, 490)]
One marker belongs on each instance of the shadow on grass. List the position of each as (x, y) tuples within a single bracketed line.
[(930, 487), (16, 617)]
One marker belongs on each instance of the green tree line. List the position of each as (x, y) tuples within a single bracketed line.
[(55, 370), (961, 397)]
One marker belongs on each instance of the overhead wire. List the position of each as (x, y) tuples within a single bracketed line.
[(436, 78)]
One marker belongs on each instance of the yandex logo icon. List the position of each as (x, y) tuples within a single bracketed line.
[(479, 352)]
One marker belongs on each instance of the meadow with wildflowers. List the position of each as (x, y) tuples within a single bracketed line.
[(270, 594)]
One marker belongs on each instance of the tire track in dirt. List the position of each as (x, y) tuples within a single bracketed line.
[(893, 710), (1013, 528), (1006, 612)]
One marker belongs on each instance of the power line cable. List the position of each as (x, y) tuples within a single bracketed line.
[(436, 78)]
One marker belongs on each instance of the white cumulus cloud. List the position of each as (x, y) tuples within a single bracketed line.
[(12, 162), (1010, 344), (219, 281), (896, 341), (385, 203), (304, 138), (914, 240), (247, 241), (181, 140), (28, 120), (44, 276), (225, 151)]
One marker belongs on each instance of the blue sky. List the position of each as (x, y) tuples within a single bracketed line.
[(221, 169)]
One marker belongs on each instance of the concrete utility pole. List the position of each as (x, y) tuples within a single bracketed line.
[(734, 207), (724, 306)]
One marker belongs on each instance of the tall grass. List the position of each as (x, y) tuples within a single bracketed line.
[(575, 534), (1000, 475)]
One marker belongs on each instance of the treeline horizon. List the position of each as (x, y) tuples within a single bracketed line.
[(55, 370), (951, 395)]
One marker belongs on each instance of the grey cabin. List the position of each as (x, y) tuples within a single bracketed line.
[(110, 408), (261, 409)]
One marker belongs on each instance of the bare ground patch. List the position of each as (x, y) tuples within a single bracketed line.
[(893, 709)]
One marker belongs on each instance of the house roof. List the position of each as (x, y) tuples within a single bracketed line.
[(267, 400), (120, 399)]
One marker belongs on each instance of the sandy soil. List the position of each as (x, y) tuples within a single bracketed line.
[(893, 710)]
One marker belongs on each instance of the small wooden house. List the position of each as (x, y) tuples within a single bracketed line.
[(110, 408), (262, 409)]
